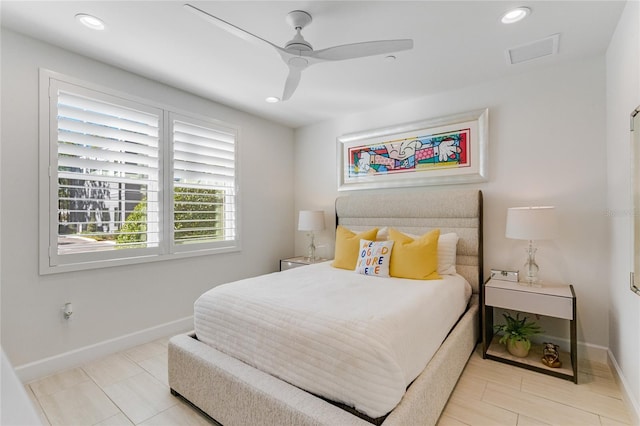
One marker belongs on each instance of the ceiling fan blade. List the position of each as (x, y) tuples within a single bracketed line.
[(360, 50), (236, 31), (293, 79)]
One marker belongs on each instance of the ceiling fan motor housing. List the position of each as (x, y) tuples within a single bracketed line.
[(298, 43), (298, 19)]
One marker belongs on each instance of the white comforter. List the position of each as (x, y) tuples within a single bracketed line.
[(351, 338)]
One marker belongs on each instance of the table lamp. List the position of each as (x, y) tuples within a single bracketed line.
[(311, 221), (531, 223)]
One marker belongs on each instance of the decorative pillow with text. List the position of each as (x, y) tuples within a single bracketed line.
[(374, 258)]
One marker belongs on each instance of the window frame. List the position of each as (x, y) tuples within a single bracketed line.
[(50, 261), (221, 127)]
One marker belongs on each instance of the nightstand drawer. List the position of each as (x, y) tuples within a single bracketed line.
[(535, 303)]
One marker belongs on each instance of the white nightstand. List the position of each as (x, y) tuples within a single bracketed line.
[(296, 262), (553, 300)]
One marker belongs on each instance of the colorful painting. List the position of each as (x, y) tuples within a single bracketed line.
[(442, 150), (420, 153)]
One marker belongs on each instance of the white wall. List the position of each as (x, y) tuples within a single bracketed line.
[(546, 137), (623, 96), (114, 302)]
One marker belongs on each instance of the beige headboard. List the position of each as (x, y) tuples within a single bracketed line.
[(418, 211)]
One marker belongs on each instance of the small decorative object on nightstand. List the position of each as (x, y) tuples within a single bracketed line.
[(551, 356), (296, 262), (552, 300), (501, 274)]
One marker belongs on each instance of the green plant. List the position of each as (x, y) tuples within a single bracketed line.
[(517, 329), (198, 214), (134, 229)]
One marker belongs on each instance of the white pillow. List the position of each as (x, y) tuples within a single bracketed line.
[(374, 257), (383, 234), (447, 247)]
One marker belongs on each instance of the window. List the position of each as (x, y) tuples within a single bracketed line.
[(203, 182), (128, 181)]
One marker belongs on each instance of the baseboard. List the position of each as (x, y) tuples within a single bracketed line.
[(592, 352), (604, 355), (47, 366), (632, 404)]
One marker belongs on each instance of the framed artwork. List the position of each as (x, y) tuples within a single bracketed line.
[(437, 151)]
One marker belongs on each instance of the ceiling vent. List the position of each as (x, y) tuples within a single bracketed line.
[(537, 49)]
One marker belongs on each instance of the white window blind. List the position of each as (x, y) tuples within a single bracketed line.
[(123, 180), (108, 176), (203, 182)]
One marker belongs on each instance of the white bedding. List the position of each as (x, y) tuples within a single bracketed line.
[(351, 338)]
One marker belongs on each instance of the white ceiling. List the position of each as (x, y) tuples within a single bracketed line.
[(456, 43)]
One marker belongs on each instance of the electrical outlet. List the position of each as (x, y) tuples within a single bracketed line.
[(502, 275), (67, 310)]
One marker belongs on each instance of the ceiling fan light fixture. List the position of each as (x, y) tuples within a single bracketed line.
[(90, 21), (272, 99), (515, 15)]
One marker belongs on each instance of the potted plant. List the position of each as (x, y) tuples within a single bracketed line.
[(516, 333)]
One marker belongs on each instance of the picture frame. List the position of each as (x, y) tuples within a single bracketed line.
[(445, 150)]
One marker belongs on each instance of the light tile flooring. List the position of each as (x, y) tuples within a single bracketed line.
[(492, 393), (127, 388), (131, 388)]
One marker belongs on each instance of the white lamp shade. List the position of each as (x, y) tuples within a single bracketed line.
[(531, 223), (310, 220)]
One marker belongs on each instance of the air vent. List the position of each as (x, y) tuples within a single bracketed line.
[(534, 50)]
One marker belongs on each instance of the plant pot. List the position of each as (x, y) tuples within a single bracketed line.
[(518, 348)]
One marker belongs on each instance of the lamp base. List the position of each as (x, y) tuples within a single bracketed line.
[(312, 249), (536, 284), (531, 268)]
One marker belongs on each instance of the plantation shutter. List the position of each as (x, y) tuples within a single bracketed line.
[(108, 173), (204, 182)]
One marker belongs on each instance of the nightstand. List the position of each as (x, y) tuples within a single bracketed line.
[(296, 262), (552, 300)]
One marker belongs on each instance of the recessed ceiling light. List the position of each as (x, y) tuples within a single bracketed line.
[(390, 58), (272, 99), (90, 21), (515, 15)]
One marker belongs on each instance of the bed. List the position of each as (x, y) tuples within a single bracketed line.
[(233, 392)]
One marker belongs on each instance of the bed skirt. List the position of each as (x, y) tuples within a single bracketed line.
[(234, 393)]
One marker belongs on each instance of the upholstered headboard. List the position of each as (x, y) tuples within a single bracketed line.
[(418, 211)]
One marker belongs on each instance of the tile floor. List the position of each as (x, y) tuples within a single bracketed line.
[(130, 388), (492, 393), (127, 388)]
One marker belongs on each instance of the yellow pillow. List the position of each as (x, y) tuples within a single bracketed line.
[(348, 245), (414, 258)]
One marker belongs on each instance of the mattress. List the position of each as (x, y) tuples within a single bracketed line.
[(350, 338)]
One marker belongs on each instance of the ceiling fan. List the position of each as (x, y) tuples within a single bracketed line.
[(298, 53)]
